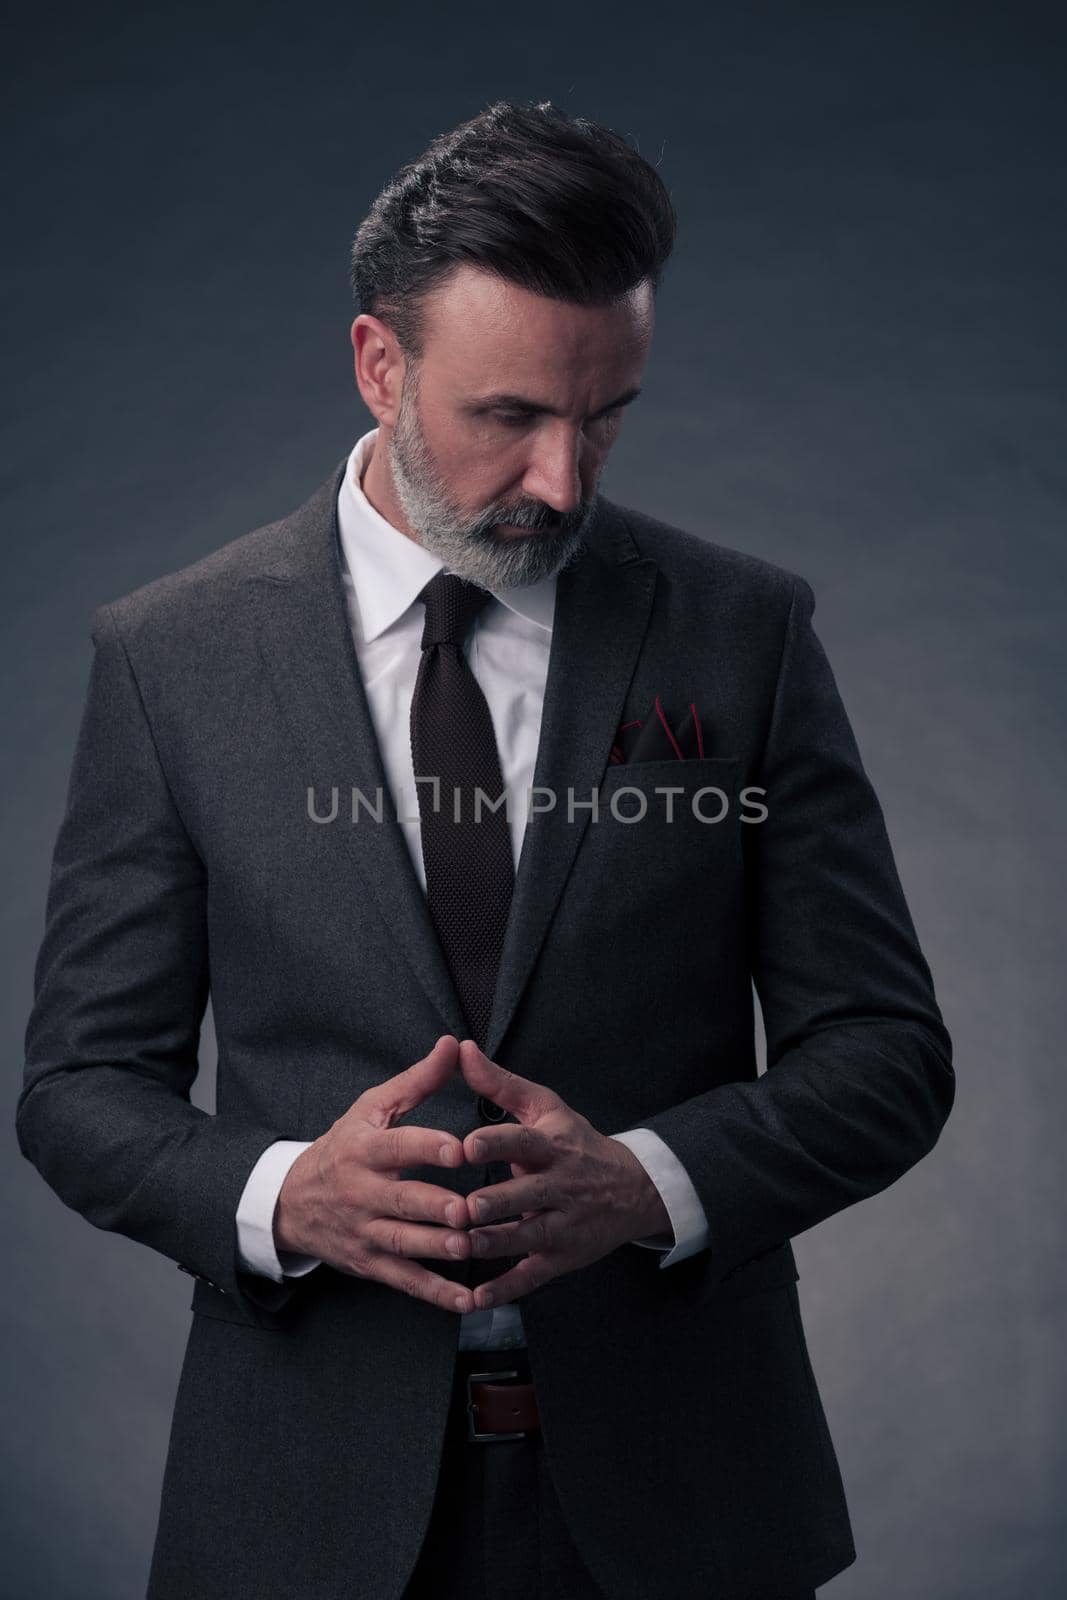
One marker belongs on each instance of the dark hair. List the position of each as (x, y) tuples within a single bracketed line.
[(556, 204)]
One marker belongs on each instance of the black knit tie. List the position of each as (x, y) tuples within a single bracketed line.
[(468, 862)]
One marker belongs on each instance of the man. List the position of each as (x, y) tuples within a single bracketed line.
[(288, 790)]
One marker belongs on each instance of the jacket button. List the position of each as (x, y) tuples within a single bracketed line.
[(490, 1110)]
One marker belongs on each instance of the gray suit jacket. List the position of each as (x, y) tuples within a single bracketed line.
[(681, 1418)]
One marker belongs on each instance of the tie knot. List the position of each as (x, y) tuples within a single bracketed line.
[(452, 603)]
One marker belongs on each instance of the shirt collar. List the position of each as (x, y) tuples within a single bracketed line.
[(389, 570)]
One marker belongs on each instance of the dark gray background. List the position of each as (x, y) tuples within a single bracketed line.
[(857, 372)]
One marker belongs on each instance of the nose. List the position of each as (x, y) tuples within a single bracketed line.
[(554, 473)]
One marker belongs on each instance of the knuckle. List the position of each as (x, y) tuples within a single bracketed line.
[(354, 1120), (532, 1275), (382, 1141), (373, 1111)]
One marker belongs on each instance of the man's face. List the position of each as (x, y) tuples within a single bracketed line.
[(504, 426)]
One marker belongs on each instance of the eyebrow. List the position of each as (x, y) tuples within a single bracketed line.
[(516, 402)]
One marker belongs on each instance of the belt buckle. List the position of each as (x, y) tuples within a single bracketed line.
[(486, 1438)]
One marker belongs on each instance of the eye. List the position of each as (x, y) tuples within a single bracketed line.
[(519, 419)]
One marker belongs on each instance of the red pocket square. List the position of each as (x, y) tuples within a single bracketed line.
[(653, 738)]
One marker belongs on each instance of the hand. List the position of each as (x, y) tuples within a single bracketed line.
[(344, 1201), (578, 1193)]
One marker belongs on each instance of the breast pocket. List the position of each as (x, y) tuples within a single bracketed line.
[(653, 916), (696, 798), (667, 819)]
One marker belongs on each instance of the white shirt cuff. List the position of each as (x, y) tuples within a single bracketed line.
[(255, 1215), (684, 1208)]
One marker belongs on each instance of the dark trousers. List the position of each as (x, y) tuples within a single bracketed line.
[(497, 1531)]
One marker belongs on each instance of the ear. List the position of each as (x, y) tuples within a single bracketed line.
[(379, 367)]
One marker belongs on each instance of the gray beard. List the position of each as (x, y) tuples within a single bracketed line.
[(468, 546)]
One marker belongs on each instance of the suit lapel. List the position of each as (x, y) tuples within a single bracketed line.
[(602, 609)]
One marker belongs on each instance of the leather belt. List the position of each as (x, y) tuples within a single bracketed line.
[(498, 1408)]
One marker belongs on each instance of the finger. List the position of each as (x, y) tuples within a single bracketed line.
[(397, 1272), (508, 1141), (514, 1195), (385, 1102), (540, 1232), (523, 1097), (409, 1146), (396, 1238), (412, 1201), (529, 1273)]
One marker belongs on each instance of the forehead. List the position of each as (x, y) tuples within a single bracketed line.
[(482, 326)]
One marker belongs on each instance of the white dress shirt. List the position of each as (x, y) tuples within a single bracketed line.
[(383, 571)]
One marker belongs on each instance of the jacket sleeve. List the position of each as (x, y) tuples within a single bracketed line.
[(859, 1078), (120, 989)]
